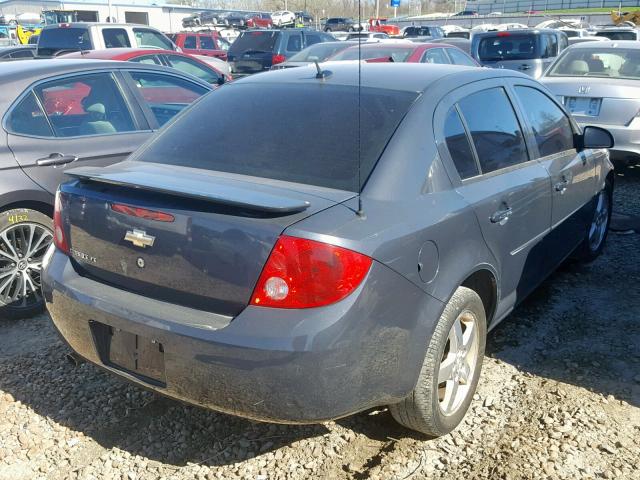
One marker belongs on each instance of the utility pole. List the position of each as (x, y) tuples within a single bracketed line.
[(377, 8)]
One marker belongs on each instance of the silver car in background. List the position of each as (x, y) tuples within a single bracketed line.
[(599, 83)]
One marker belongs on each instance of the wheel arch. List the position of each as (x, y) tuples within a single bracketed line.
[(484, 282)]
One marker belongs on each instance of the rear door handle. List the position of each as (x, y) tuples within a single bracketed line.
[(524, 67), (501, 216), (56, 159)]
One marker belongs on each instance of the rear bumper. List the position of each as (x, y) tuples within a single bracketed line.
[(277, 365)]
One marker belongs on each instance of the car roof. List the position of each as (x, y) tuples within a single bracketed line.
[(378, 45), (117, 53), (629, 44), (95, 24), (408, 77), (516, 31)]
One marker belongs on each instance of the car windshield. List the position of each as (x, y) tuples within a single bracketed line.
[(318, 52), (398, 54), (505, 46), (56, 39), (320, 146), (598, 62), (613, 35), (254, 40)]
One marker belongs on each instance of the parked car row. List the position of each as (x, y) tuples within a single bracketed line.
[(344, 240)]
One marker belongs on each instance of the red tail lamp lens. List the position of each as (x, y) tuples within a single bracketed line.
[(303, 273), (59, 236), (276, 59)]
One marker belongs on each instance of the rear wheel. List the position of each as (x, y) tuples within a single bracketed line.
[(597, 231), (450, 370), (327, 29), (25, 235)]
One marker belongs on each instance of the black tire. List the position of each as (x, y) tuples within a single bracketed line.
[(351, 29), (421, 410), (588, 250), (10, 221), (327, 29)]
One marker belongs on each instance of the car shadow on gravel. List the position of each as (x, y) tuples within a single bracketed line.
[(581, 326)]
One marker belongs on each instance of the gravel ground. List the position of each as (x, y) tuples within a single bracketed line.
[(559, 398)]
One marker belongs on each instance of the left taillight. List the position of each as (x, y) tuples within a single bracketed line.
[(302, 273), (59, 236), (278, 58)]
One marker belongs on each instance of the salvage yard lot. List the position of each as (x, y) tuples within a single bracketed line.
[(559, 397)]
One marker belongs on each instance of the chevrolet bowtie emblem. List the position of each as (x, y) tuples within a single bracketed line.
[(139, 238)]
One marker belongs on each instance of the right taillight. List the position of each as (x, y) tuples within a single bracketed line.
[(302, 273), (277, 58), (59, 236)]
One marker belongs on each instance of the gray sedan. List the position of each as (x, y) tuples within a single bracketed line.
[(59, 114), (282, 279), (599, 83)]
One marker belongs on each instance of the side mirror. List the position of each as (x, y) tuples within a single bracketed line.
[(594, 137), (221, 80)]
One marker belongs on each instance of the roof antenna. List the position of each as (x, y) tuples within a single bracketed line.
[(322, 74), (360, 211)]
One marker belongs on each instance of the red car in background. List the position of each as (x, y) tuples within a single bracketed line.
[(380, 25), (259, 20), (410, 52), (180, 61), (209, 43)]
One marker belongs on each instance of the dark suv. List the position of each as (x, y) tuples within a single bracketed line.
[(340, 24), (258, 50)]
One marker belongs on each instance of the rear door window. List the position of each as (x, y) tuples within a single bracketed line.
[(166, 95), (26, 53), (206, 43), (115, 38), (435, 55), (85, 105), (459, 58), (550, 125), (27, 118), (190, 42), (494, 128), (459, 146), (312, 39), (192, 67), (147, 59), (150, 38), (294, 44), (549, 47), (506, 46)]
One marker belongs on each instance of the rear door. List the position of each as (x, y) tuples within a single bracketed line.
[(573, 173), (253, 51), (509, 191), (514, 51), (78, 119)]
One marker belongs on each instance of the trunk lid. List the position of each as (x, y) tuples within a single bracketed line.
[(208, 256), (605, 101)]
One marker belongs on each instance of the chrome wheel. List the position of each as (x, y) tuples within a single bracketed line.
[(458, 364), (598, 228), (22, 247)]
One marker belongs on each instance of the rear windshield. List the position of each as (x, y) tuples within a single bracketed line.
[(55, 39), (512, 47), (254, 41), (353, 53), (315, 141), (319, 52), (618, 35), (598, 62)]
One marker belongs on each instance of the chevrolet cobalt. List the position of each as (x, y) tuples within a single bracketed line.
[(354, 253)]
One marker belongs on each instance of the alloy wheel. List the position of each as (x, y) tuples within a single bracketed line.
[(22, 248), (598, 228), (459, 363)]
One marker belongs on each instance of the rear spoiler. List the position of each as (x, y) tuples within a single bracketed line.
[(218, 190)]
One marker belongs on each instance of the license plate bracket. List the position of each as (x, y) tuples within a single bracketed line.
[(135, 354), (585, 106)]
